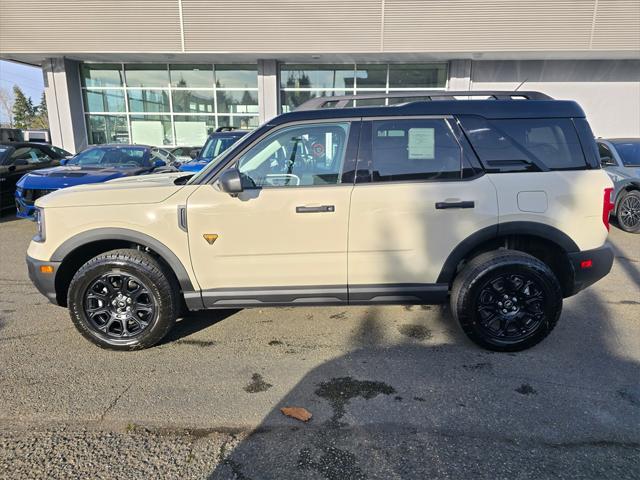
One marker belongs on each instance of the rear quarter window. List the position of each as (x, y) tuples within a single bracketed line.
[(521, 144)]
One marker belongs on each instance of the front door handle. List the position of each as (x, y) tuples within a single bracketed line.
[(319, 209), (445, 205)]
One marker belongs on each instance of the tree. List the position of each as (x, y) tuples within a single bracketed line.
[(23, 109), (6, 107), (41, 118)]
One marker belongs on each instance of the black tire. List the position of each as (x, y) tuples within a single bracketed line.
[(138, 277), (628, 212), (522, 319)]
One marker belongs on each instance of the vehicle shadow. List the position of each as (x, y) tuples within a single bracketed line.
[(9, 217), (194, 322), (424, 409)]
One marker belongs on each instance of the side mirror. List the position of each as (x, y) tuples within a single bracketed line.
[(63, 161), (231, 182), (159, 163), (194, 153), (606, 161)]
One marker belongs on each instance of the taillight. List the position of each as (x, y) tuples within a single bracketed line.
[(607, 206)]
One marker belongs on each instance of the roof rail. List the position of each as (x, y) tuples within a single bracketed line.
[(343, 101)]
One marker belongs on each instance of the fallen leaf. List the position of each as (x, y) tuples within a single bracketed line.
[(299, 413)]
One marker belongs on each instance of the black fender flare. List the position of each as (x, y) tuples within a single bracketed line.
[(101, 234), (535, 229)]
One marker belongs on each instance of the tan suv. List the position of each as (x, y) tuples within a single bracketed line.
[(498, 204)]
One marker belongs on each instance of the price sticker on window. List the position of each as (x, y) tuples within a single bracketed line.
[(422, 144)]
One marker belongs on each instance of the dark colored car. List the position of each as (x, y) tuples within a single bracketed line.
[(93, 165), (19, 158), (217, 143)]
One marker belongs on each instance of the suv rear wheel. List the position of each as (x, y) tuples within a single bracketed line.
[(123, 300), (506, 300), (628, 213)]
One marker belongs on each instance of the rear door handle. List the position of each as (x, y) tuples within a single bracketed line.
[(445, 205), (319, 209)]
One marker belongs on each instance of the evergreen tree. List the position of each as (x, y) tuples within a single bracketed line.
[(41, 118), (23, 109)]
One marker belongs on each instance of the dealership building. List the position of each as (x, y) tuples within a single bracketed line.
[(165, 72)]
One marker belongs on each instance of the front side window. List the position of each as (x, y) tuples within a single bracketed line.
[(629, 152), (417, 149), (303, 155), (30, 154)]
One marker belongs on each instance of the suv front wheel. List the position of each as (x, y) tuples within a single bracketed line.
[(506, 300), (123, 300)]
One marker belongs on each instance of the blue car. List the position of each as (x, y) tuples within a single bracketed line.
[(217, 143), (93, 165)]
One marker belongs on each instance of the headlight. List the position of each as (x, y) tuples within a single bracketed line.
[(40, 233)]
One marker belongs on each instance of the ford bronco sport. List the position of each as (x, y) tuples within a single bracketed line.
[(496, 204)]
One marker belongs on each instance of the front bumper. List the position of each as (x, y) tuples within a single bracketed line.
[(25, 209), (589, 266), (44, 282)]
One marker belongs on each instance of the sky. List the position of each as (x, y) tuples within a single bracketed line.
[(29, 79)]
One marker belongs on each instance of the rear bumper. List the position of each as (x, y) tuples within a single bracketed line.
[(44, 282), (589, 266)]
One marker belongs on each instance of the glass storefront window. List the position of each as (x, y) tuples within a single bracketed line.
[(237, 121), (107, 129), (152, 130), (192, 130), (110, 100), (191, 76), (101, 75), (292, 99), (147, 75), (193, 101), (417, 75), (371, 76), (236, 76), (231, 101), (148, 101), (317, 76)]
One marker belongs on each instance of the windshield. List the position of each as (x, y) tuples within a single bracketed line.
[(629, 152), (216, 145), (112, 157)]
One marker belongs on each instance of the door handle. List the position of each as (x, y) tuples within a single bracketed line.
[(319, 209), (445, 205)]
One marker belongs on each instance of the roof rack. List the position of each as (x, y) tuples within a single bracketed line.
[(343, 101)]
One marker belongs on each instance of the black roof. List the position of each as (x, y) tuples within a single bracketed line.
[(25, 144), (493, 109)]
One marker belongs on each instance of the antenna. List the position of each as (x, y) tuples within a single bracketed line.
[(518, 87)]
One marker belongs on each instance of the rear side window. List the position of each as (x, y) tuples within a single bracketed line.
[(523, 144), (415, 149)]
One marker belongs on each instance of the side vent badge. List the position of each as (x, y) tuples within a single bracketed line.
[(210, 238)]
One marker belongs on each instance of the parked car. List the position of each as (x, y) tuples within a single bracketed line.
[(93, 165), (19, 158), (620, 157), (498, 206), (185, 154), (216, 143)]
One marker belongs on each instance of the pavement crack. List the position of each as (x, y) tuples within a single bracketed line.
[(113, 402)]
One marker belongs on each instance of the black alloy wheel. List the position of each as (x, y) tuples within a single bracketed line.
[(119, 305), (629, 212)]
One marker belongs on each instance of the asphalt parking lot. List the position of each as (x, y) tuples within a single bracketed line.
[(395, 392)]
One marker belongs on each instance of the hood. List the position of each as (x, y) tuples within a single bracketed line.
[(193, 166), (67, 176), (144, 191), (157, 178)]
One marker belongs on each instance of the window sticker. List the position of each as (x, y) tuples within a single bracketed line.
[(422, 143)]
